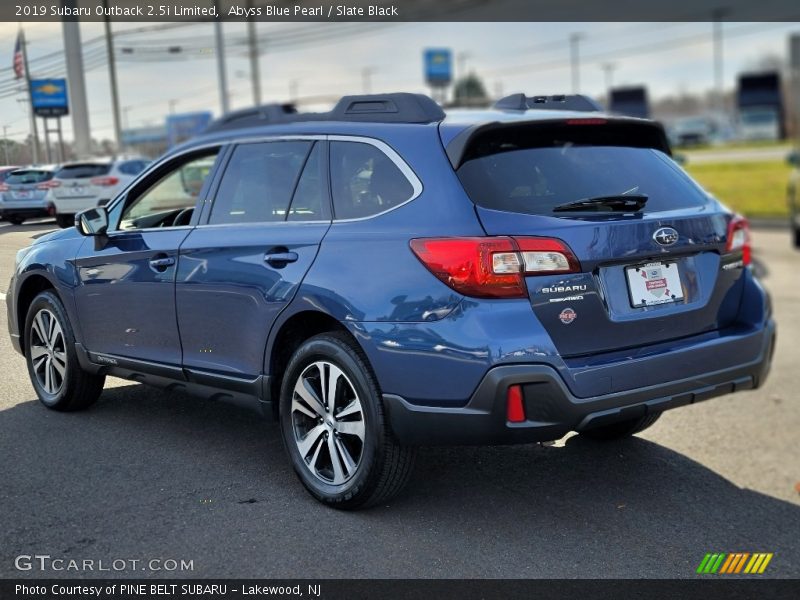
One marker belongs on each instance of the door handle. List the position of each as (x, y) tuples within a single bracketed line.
[(160, 264), (280, 259)]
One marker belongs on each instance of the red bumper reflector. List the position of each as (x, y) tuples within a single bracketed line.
[(515, 411)]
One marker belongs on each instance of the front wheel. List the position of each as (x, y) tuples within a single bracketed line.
[(53, 365), (65, 221), (334, 426)]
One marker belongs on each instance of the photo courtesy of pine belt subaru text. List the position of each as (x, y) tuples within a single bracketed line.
[(385, 275)]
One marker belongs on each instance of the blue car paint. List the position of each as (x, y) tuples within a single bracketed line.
[(220, 308)]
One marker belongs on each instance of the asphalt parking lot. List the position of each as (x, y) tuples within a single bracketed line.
[(147, 474)]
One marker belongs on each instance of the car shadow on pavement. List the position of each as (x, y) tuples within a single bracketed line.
[(146, 472)]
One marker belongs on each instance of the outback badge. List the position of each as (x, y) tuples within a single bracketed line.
[(666, 236)]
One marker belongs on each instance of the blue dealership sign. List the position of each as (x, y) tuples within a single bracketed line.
[(49, 97), (438, 66)]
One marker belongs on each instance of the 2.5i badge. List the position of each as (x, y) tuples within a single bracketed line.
[(567, 316)]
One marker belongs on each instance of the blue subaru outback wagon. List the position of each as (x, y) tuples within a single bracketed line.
[(385, 276)]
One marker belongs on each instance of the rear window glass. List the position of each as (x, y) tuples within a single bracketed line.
[(22, 177), (511, 177), (83, 170)]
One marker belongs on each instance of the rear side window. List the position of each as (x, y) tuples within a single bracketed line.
[(23, 177), (365, 181), (259, 181), (83, 170), (533, 174)]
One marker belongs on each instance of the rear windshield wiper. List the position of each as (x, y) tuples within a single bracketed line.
[(622, 203)]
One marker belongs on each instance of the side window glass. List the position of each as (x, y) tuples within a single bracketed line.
[(169, 201), (258, 182), (365, 181), (132, 167), (309, 196)]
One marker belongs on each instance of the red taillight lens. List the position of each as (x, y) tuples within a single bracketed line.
[(739, 238), (493, 267), (515, 410), (48, 185), (104, 181)]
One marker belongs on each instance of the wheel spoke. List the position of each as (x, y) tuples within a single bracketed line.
[(307, 394), (58, 363), (305, 444), (55, 333), (37, 352), (351, 409), (39, 328), (334, 374), (349, 463), (355, 428), (336, 461), (301, 408), (37, 366), (48, 370), (51, 329)]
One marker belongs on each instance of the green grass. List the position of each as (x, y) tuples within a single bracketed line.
[(755, 189)]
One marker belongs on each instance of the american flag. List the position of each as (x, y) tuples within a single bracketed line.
[(19, 64)]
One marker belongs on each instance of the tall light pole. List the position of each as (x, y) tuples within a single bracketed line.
[(366, 79), (252, 44), (112, 78), (77, 84), (719, 73), (575, 60), (5, 142), (222, 75)]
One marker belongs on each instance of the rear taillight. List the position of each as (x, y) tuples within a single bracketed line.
[(48, 185), (739, 238), (104, 181), (493, 267), (3, 187)]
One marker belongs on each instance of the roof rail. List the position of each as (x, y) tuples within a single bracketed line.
[(399, 107), (576, 102)]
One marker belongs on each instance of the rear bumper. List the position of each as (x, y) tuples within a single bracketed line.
[(28, 209), (552, 411)]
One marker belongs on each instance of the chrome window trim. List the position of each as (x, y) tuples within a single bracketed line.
[(392, 155)]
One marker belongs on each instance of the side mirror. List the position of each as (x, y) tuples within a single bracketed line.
[(794, 158), (92, 221), (681, 159)]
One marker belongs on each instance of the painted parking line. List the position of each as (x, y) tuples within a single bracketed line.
[(2, 297)]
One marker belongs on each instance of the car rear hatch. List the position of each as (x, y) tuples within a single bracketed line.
[(83, 180), (648, 256), (27, 185)]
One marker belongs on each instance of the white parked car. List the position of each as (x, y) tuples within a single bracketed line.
[(89, 183)]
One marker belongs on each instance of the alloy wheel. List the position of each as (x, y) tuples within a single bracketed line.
[(48, 352), (328, 423)]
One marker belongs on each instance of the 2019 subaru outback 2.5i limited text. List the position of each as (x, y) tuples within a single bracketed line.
[(384, 276)]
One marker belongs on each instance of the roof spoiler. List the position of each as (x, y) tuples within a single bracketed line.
[(399, 107), (576, 102)]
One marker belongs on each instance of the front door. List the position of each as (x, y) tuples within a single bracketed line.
[(126, 291)]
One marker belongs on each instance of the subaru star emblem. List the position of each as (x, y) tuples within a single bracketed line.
[(666, 236)]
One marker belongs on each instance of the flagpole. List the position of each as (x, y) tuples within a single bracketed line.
[(34, 129)]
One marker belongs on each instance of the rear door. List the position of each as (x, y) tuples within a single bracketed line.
[(644, 276), (244, 263)]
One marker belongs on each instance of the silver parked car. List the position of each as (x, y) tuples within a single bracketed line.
[(26, 193)]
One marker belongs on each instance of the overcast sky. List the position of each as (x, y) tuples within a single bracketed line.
[(529, 57)]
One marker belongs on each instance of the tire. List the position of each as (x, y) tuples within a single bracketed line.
[(371, 469), (50, 342), (15, 220), (623, 429), (65, 221), (796, 237)]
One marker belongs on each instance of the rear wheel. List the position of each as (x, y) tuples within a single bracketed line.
[(15, 220), (334, 427), (65, 221), (53, 366), (622, 429), (796, 236)]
